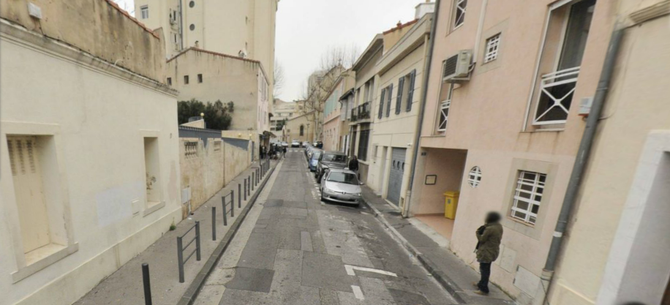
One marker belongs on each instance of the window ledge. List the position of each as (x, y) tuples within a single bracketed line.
[(45, 261), (153, 207)]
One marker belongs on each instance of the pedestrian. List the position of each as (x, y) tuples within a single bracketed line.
[(353, 165), (488, 247), (283, 151)]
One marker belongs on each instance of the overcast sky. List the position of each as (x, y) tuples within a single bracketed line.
[(306, 29)]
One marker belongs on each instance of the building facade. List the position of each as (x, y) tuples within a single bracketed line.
[(395, 113), (281, 112), (299, 128), (209, 77), (89, 147), (332, 113), (502, 124), (616, 248)]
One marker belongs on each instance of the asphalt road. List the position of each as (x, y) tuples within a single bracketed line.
[(295, 249)]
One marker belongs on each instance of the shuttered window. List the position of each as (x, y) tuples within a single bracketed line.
[(381, 103), (410, 93), (398, 102), (388, 100)]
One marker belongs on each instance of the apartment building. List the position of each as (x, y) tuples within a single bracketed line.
[(502, 124), (319, 86), (89, 147), (334, 115), (617, 244), (209, 77), (395, 113), (281, 111)]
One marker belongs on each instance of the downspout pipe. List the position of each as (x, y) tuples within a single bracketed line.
[(583, 153), (424, 92)]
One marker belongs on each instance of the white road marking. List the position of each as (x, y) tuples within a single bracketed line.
[(358, 292), (350, 270)]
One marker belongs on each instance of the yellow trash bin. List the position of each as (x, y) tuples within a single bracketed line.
[(450, 204)]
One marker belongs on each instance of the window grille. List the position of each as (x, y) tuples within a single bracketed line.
[(528, 196), (459, 13), (492, 45), (475, 176), (444, 111), (191, 149)]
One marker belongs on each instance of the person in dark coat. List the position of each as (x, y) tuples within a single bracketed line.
[(488, 248), (353, 164)]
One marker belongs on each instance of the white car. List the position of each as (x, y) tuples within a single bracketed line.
[(341, 186), (295, 143)]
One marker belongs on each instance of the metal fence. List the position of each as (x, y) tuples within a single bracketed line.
[(180, 249)]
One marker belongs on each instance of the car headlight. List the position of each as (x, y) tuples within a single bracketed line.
[(324, 166), (358, 194)]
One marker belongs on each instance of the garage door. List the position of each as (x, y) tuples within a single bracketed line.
[(395, 177)]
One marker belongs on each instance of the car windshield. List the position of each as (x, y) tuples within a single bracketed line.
[(334, 158), (340, 177)]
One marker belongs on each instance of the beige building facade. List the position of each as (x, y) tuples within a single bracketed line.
[(616, 249), (503, 122), (333, 114), (395, 112), (88, 145), (300, 128), (281, 112), (209, 77)]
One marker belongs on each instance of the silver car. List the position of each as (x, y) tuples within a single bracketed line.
[(342, 186)]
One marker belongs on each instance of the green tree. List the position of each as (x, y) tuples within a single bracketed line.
[(217, 116)]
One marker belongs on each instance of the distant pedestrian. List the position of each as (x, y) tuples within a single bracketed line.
[(488, 247), (353, 164), (262, 152)]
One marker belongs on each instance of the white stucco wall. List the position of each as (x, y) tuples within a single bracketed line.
[(98, 116)]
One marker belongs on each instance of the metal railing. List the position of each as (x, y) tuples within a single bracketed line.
[(556, 92), (361, 112), (180, 249), (224, 205)]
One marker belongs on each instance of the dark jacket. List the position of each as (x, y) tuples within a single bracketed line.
[(489, 243), (353, 164)]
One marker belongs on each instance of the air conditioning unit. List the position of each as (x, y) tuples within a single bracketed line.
[(457, 68)]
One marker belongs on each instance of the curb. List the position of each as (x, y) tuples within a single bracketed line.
[(447, 283), (194, 288)]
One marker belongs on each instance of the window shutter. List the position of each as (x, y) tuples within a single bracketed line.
[(398, 100), (410, 93), (381, 104), (388, 100)]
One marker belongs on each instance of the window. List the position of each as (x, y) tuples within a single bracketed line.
[(475, 176), (410, 91), (389, 94), (144, 11), (560, 62), (341, 177), (191, 27), (302, 130), (527, 196), (169, 81), (191, 4), (190, 149), (459, 12), (492, 48), (399, 97), (200, 78), (185, 79), (363, 143), (152, 172), (381, 103), (444, 110)]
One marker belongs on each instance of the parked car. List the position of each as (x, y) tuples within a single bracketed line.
[(284, 144), (313, 159), (342, 186), (330, 160), (305, 144), (308, 152), (318, 144), (295, 143)]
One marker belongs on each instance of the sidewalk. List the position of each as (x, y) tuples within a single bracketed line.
[(125, 286), (450, 271)]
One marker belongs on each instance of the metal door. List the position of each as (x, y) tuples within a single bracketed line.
[(396, 174)]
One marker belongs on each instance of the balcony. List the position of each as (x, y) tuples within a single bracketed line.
[(556, 93), (361, 112)]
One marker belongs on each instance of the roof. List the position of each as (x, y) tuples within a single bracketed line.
[(400, 26), (347, 94), (122, 11), (376, 43), (221, 55)]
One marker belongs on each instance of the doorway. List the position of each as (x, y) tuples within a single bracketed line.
[(396, 174)]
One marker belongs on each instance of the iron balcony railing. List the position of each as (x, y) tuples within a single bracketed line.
[(556, 93)]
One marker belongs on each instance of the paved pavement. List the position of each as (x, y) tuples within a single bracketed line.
[(294, 249)]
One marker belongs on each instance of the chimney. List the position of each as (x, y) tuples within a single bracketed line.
[(424, 8)]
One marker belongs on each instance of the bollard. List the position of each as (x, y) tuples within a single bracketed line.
[(214, 223), (197, 240), (239, 197), (180, 258), (147, 284), (245, 189), (232, 204), (223, 205), (253, 180)]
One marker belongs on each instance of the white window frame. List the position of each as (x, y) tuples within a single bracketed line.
[(492, 48), (538, 186), (475, 176), (459, 5), (445, 105), (144, 11)]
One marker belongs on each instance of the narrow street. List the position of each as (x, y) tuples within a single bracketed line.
[(294, 249)]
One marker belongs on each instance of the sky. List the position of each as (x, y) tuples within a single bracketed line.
[(306, 29)]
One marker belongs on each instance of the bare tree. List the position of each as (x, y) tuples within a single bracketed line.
[(320, 83), (278, 83)]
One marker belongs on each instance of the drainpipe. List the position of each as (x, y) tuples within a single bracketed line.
[(582, 157), (424, 91)]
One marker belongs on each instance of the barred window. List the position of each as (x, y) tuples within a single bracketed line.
[(475, 176), (528, 196), (459, 12), (492, 46)]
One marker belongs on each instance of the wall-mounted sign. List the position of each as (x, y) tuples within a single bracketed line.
[(431, 179)]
